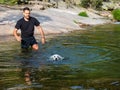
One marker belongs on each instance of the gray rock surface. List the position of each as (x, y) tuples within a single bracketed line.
[(52, 20)]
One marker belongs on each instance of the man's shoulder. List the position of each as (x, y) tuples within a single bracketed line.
[(21, 19), (33, 18)]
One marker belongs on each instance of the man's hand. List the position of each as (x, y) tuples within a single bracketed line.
[(43, 40), (16, 35), (18, 38), (42, 34)]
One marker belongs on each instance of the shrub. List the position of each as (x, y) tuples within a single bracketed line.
[(2, 1), (116, 14), (95, 4), (84, 14), (9, 2), (85, 3)]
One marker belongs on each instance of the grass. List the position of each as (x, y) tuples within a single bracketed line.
[(83, 14)]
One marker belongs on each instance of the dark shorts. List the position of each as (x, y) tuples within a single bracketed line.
[(26, 42)]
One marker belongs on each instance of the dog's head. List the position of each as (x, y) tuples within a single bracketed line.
[(56, 57)]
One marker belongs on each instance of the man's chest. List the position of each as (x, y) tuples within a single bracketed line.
[(27, 25)]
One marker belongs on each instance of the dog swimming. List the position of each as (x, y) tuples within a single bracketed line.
[(56, 57)]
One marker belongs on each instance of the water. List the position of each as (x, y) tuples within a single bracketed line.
[(91, 62)]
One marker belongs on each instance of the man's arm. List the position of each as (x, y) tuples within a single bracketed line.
[(42, 34), (18, 38)]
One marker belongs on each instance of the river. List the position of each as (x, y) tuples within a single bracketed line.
[(92, 60)]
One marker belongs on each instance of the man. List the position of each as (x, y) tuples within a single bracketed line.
[(26, 25)]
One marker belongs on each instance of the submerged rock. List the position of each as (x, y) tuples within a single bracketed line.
[(115, 83)]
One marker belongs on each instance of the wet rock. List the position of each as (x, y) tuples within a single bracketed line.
[(117, 23), (76, 87), (115, 83), (83, 24)]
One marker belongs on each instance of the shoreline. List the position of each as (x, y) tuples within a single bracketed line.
[(53, 21)]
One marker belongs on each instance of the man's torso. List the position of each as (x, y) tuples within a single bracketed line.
[(27, 27)]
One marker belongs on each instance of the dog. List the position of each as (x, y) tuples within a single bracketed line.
[(56, 57)]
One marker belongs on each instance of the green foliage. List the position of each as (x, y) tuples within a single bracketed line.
[(84, 14), (85, 3), (116, 1), (10, 2), (116, 14), (2, 1), (95, 4)]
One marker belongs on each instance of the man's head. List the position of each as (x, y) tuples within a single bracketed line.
[(26, 12)]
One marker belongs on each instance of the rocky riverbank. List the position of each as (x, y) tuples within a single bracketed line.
[(52, 20)]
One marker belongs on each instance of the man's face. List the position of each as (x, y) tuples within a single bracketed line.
[(26, 14)]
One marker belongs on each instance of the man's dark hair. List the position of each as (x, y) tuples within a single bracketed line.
[(26, 8)]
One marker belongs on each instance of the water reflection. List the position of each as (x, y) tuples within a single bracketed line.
[(31, 77), (29, 66), (28, 77)]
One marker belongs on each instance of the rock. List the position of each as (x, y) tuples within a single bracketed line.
[(83, 24), (52, 20), (105, 14), (115, 83), (38, 7)]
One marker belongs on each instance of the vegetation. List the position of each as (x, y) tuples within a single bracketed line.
[(116, 14), (85, 3), (10, 2), (22, 1), (115, 1), (95, 4), (2, 1), (84, 14)]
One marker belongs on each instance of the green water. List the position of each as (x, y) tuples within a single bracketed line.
[(92, 61)]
